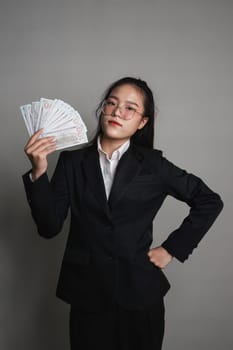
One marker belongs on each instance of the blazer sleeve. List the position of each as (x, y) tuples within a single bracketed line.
[(205, 206), (48, 200)]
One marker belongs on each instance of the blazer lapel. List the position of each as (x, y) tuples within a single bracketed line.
[(128, 167), (93, 173)]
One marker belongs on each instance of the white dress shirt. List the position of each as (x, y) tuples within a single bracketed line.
[(109, 165)]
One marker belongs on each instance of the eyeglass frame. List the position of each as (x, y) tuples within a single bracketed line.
[(118, 106)]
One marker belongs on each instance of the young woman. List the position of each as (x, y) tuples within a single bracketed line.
[(114, 187)]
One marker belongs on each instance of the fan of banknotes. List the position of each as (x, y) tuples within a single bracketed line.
[(57, 118)]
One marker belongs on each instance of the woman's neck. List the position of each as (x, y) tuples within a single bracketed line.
[(110, 145)]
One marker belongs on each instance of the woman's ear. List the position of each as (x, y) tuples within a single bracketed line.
[(143, 122)]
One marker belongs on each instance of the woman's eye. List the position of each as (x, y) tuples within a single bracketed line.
[(130, 108), (110, 103)]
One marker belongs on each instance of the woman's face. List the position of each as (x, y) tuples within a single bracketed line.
[(117, 128)]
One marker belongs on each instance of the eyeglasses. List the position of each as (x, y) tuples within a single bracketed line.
[(127, 112)]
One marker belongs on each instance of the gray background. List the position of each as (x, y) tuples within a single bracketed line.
[(72, 50)]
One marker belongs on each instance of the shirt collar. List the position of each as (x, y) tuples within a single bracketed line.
[(117, 153)]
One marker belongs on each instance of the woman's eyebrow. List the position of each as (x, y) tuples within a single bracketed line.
[(111, 96), (134, 103)]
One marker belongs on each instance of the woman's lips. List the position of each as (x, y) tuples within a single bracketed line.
[(112, 122)]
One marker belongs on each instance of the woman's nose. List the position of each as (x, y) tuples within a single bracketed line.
[(116, 111)]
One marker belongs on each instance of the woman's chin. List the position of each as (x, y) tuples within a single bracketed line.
[(113, 134)]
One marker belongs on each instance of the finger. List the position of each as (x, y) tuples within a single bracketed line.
[(48, 151), (52, 149), (43, 155), (39, 141), (42, 147), (34, 137), (37, 144)]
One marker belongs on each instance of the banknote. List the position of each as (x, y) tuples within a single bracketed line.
[(57, 118)]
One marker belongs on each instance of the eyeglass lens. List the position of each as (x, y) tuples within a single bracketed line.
[(126, 112)]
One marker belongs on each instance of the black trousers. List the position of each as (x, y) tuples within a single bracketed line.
[(118, 329)]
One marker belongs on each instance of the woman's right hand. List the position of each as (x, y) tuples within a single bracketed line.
[(37, 150)]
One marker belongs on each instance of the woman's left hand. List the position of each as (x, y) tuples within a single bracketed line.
[(159, 256)]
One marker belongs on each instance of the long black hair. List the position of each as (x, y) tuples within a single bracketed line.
[(145, 136)]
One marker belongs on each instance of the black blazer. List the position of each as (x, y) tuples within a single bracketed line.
[(105, 258)]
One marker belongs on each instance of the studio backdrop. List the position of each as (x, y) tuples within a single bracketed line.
[(72, 50)]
